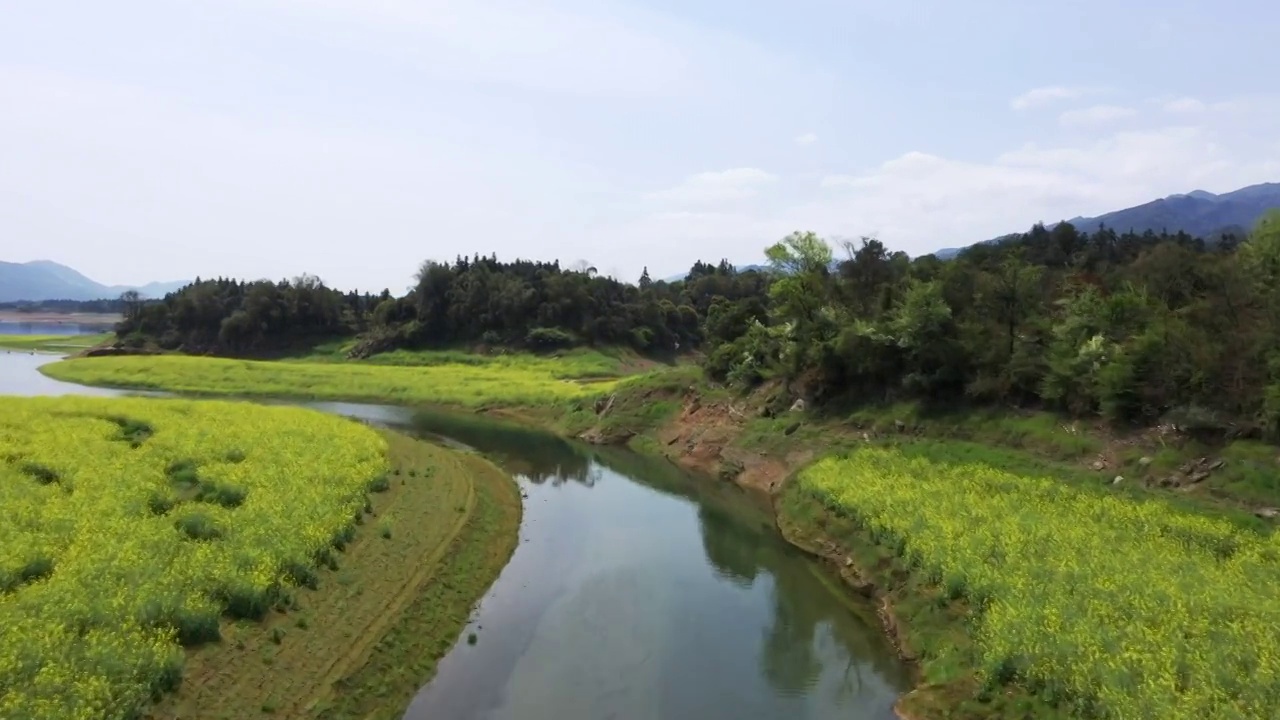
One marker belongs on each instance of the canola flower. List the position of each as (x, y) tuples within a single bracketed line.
[(130, 526), (1111, 607), (523, 382)]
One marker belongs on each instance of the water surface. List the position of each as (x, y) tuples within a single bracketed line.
[(637, 592), (50, 327), (641, 592)]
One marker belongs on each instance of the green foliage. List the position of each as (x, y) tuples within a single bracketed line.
[(1130, 326)]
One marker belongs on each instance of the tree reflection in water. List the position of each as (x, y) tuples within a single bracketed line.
[(738, 537)]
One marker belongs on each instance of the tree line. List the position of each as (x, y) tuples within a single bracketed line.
[(1135, 327), (1138, 328)]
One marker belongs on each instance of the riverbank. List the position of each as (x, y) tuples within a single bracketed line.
[(369, 636), (233, 559), (52, 343), (760, 440)]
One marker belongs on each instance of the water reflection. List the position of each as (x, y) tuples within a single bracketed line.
[(51, 327), (536, 456), (640, 592)]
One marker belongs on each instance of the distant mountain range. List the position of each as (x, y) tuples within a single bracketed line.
[(47, 280), (1197, 213)]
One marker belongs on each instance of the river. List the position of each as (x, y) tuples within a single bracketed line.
[(51, 327), (637, 592)]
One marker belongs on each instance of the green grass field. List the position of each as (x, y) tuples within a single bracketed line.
[(573, 364), (53, 343), (522, 383)]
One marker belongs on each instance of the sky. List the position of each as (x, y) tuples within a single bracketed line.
[(147, 140)]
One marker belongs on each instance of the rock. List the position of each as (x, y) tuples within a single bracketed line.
[(866, 437), (1267, 513), (1198, 476), (848, 562), (1119, 479), (791, 428), (1144, 461), (1098, 465), (901, 426), (797, 406), (1216, 464)]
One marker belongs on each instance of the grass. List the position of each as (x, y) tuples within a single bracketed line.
[(1042, 433), (640, 403), (369, 637), (53, 343), (522, 382), (572, 364), (430, 623)]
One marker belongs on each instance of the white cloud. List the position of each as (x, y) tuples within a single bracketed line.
[(711, 189), (806, 139), (920, 202), (1048, 95), (1096, 115)]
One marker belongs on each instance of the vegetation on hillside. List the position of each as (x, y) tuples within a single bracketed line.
[(133, 525), (534, 305), (1136, 328)]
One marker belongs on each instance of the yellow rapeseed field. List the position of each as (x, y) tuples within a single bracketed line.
[(1113, 607), (130, 526), (516, 383)]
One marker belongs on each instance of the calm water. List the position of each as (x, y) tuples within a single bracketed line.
[(49, 328), (637, 592)]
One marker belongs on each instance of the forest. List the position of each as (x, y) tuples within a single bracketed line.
[(1139, 328)]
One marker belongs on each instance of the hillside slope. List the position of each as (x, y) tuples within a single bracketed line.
[(1198, 213)]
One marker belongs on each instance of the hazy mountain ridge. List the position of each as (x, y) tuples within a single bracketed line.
[(1198, 213), (47, 280)]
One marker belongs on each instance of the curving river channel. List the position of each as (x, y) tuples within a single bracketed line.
[(637, 592)]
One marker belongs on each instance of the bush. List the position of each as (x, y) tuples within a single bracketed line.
[(544, 338)]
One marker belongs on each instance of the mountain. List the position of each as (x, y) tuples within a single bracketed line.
[(1197, 213), (47, 280)]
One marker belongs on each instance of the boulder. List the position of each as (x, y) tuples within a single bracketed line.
[(798, 405)]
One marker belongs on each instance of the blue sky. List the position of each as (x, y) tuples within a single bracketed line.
[(144, 140)]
